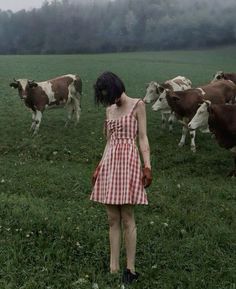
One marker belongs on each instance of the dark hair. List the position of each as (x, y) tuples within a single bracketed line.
[(108, 88)]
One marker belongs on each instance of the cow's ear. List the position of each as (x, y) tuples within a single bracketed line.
[(161, 89), (14, 85), (168, 92), (221, 76), (175, 97)]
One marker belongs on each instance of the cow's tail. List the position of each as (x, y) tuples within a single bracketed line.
[(78, 84), (78, 89)]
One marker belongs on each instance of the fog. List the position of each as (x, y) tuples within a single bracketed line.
[(82, 26)]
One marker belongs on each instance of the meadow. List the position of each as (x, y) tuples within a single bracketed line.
[(53, 237)]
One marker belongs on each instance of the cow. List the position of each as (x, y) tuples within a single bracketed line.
[(222, 123), (154, 91), (200, 119), (64, 90), (224, 75), (186, 103)]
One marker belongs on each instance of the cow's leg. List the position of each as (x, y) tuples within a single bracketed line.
[(38, 118), (70, 110), (192, 136), (33, 121), (233, 172), (183, 137), (163, 120), (77, 108), (170, 121)]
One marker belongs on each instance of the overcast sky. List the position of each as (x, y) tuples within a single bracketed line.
[(16, 5)]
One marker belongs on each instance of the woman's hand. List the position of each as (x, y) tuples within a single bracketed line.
[(95, 174), (147, 177)]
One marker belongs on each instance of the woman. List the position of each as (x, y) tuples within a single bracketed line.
[(119, 181)]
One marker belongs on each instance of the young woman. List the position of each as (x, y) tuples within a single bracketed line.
[(119, 181)]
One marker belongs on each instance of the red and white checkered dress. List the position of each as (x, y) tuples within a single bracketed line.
[(119, 180)]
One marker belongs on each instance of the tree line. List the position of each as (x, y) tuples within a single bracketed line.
[(119, 25)]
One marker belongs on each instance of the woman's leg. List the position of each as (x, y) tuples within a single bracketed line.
[(127, 216), (114, 219)]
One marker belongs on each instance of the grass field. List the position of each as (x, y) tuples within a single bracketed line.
[(52, 236)]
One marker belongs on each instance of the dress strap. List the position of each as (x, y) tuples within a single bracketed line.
[(133, 108)]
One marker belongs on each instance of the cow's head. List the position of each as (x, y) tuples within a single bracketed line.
[(152, 92), (200, 118), (24, 86), (161, 103), (218, 76)]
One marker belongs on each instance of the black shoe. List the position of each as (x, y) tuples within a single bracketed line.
[(129, 277)]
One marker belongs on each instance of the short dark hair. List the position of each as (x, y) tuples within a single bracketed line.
[(108, 88)]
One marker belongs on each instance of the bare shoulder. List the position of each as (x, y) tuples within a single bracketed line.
[(139, 109), (137, 101), (140, 105), (108, 111)]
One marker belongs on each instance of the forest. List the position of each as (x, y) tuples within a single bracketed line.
[(78, 26)]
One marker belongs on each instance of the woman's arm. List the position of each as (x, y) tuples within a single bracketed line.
[(106, 134), (142, 134)]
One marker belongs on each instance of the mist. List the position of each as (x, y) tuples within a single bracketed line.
[(83, 26)]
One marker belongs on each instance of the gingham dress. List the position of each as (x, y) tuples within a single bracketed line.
[(119, 180)]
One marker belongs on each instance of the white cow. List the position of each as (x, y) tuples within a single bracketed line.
[(200, 119), (178, 83)]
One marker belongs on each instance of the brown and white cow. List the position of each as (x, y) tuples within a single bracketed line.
[(186, 103), (156, 91), (61, 91), (224, 75), (200, 119), (231, 76), (222, 123)]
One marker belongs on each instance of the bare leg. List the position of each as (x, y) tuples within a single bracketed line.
[(77, 110), (170, 121), (183, 137), (114, 219), (193, 145), (70, 109), (130, 234), (38, 118), (33, 121), (163, 120)]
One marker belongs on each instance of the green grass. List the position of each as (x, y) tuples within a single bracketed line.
[(52, 236)]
